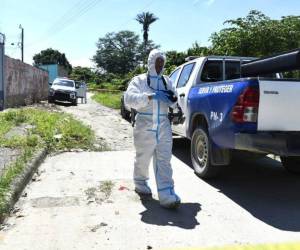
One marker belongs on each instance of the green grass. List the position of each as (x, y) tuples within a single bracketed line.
[(46, 125), (55, 131), (105, 85), (10, 174), (111, 100), (106, 188)]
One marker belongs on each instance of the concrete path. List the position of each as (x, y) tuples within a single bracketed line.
[(86, 201), (67, 207)]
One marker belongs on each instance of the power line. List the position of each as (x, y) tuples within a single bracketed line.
[(68, 18), (66, 14), (59, 22), (78, 10)]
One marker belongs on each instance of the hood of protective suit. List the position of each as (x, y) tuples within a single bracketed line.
[(154, 54)]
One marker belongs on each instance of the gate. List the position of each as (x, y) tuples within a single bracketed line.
[(2, 41)]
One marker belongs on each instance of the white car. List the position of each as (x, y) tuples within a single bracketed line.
[(63, 89)]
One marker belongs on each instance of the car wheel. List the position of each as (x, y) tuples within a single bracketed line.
[(291, 163), (201, 154)]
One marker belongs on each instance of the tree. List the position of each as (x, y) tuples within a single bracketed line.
[(82, 74), (117, 53), (175, 58), (51, 56), (257, 35), (197, 50), (146, 19), (144, 51)]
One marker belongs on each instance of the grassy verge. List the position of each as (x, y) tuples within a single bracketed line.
[(111, 100), (114, 86), (54, 131)]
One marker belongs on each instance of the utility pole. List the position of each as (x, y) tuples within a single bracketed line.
[(2, 87), (22, 42)]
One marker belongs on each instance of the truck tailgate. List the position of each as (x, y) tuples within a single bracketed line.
[(279, 105)]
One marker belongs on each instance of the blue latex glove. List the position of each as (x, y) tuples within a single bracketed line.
[(160, 96), (170, 95)]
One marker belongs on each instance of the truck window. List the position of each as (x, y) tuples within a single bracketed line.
[(185, 75), (174, 75), (66, 83), (232, 70), (212, 71)]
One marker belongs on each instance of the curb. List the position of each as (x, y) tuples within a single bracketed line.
[(21, 181)]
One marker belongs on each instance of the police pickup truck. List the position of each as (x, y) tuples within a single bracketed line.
[(235, 104)]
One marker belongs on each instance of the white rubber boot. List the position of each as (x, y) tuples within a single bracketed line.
[(141, 187), (168, 198)]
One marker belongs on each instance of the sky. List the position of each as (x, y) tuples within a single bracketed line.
[(74, 27)]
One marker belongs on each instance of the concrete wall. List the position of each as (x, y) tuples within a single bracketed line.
[(24, 84)]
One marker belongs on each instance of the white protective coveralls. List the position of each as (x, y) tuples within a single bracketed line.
[(152, 133)]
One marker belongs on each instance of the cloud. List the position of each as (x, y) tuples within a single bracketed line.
[(206, 2), (209, 2)]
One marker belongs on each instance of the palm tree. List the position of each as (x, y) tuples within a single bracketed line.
[(146, 19)]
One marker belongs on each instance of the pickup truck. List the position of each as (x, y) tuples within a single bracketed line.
[(236, 104), (63, 89)]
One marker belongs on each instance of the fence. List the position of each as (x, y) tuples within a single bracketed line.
[(20, 83), (23, 83)]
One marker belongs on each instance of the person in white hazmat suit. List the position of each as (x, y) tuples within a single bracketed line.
[(150, 95)]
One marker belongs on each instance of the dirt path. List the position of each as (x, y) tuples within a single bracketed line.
[(107, 123)]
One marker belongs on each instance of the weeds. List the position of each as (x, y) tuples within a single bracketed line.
[(111, 100), (45, 126), (106, 188)]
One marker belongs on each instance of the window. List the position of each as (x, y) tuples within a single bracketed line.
[(212, 71), (185, 75), (66, 83), (232, 70), (174, 75)]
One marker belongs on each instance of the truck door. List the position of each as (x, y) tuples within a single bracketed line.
[(182, 89)]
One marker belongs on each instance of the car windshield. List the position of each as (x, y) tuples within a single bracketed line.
[(66, 83)]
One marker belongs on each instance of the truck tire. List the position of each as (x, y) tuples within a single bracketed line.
[(74, 102), (201, 154), (291, 164)]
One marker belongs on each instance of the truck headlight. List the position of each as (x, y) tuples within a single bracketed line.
[(72, 95), (51, 92)]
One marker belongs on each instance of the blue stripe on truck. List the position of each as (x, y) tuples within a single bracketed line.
[(215, 101)]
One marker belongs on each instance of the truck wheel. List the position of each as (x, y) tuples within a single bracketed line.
[(201, 154), (291, 164), (74, 102)]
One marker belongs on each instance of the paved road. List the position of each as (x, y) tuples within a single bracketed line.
[(86, 201)]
